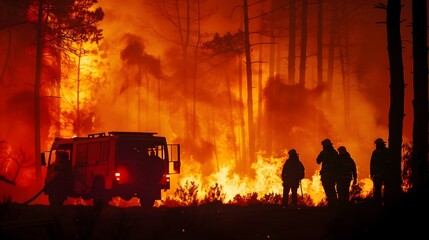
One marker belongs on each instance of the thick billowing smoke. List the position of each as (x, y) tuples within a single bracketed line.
[(135, 55), (294, 119)]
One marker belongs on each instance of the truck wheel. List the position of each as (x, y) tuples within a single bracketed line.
[(56, 195), (100, 196), (55, 199), (147, 200)]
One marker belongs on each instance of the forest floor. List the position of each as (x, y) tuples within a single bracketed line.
[(363, 220)]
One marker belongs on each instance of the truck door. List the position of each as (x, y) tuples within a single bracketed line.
[(80, 167), (98, 153), (174, 158), (91, 160)]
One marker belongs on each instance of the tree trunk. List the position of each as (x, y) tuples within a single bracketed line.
[(185, 54), (419, 155), (343, 49), (331, 52), (38, 73), (396, 110), (194, 79), (241, 116), (251, 128), (273, 32), (319, 42), (272, 61), (240, 112), (231, 121), (292, 32), (260, 88), (184, 35), (78, 115), (303, 59), (346, 68), (346, 88)]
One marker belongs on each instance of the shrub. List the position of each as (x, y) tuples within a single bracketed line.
[(272, 198), (214, 195), (188, 194), (250, 198)]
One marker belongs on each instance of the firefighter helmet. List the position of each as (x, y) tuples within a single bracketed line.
[(292, 152), (379, 141), (327, 142), (342, 149)]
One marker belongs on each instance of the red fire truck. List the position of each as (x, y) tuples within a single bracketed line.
[(117, 164)]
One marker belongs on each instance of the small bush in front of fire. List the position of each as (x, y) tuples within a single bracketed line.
[(188, 193), (119, 164), (215, 195)]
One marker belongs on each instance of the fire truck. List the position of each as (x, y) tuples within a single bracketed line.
[(117, 164)]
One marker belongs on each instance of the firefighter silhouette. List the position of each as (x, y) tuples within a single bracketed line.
[(59, 178), (379, 164), (292, 173), (63, 164), (346, 172), (155, 167), (328, 157)]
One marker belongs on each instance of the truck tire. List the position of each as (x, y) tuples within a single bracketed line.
[(99, 193), (56, 195), (147, 202), (56, 199), (147, 199)]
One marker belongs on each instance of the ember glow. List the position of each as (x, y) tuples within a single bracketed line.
[(147, 75)]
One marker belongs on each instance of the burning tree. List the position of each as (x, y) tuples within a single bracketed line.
[(230, 47), (60, 26)]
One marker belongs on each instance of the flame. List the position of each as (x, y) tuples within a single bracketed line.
[(266, 181)]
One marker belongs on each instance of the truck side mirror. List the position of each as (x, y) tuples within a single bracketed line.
[(43, 159)]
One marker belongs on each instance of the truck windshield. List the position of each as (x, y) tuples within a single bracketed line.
[(64, 153), (133, 150)]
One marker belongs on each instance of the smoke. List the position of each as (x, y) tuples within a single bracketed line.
[(134, 54), (294, 119)]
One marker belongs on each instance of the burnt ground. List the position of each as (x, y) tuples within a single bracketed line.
[(215, 221)]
